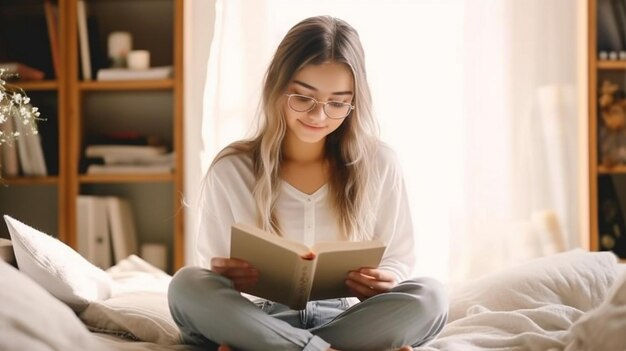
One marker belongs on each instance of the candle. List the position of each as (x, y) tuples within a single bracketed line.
[(138, 59)]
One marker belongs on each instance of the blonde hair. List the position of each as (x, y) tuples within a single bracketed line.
[(349, 150)]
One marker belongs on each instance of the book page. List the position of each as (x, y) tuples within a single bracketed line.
[(333, 265), (283, 275)]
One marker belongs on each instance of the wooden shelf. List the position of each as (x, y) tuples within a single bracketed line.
[(604, 182), (126, 178), (612, 170), (77, 110), (48, 180), (612, 65), (37, 85), (161, 84)]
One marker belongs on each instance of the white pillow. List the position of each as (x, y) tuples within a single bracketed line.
[(602, 328), (31, 319), (138, 306), (59, 269), (576, 278), (143, 314)]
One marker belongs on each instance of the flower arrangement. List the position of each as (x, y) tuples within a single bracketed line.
[(14, 103)]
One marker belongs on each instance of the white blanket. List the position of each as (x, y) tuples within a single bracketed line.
[(531, 307)]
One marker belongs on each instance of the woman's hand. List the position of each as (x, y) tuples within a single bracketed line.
[(368, 282), (239, 271)]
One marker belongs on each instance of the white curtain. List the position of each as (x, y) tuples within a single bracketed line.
[(477, 97)]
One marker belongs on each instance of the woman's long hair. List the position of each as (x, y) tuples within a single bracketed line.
[(349, 150)]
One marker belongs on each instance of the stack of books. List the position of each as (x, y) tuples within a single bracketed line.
[(24, 155), (129, 159), (106, 229), (128, 153)]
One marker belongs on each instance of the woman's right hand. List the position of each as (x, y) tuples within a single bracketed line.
[(239, 271)]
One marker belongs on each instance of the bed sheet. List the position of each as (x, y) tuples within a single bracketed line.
[(537, 306)]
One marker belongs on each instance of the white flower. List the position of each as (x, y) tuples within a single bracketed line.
[(14, 103)]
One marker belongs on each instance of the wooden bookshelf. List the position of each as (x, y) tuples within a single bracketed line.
[(607, 185), (82, 108)]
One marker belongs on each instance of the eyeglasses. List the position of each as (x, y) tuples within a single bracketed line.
[(332, 109)]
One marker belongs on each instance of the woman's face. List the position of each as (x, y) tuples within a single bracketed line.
[(330, 81)]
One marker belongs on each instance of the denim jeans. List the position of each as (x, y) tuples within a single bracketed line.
[(210, 312)]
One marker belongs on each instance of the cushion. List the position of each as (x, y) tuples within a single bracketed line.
[(59, 269), (576, 278), (138, 307), (602, 328), (141, 315), (32, 319)]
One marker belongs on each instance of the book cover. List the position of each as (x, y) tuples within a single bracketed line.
[(10, 164), (93, 239), (128, 169), (122, 227), (168, 159), (287, 277), (51, 12), (24, 72), (30, 152), (83, 39), (609, 37), (152, 73), (127, 150)]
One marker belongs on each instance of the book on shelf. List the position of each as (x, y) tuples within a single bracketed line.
[(619, 12), (23, 72), (30, 152), (124, 150), (609, 33), (151, 73), (122, 227), (128, 169), (10, 163), (83, 39), (167, 159), (52, 12), (91, 53), (93, 239), (125, 137), (292, 273)]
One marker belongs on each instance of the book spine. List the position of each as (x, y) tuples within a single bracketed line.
[(303, 282), (51, 21), (83, 37), (10, 164)]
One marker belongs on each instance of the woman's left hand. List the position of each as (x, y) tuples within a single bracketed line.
[(368, 282)]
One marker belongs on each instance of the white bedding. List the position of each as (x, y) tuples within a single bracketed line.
[(532, 307), (552, 303)]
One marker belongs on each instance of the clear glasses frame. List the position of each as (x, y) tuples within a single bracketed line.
[(314, 104)]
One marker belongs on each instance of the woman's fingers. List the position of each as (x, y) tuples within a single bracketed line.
[(368, 282), (224, 262), (239, 271)]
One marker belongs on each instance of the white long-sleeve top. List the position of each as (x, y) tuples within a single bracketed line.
[(304, 217)]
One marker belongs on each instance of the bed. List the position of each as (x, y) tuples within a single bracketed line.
[(57, 300)]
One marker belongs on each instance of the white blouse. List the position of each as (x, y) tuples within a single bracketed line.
[(307, 218)]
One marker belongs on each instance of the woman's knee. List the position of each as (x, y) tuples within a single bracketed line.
[(191, 283), (430, 295)]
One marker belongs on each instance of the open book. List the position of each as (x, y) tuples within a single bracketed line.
[(288, 278)]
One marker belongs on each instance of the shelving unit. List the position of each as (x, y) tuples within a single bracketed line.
[(87, 107), (607, 184)]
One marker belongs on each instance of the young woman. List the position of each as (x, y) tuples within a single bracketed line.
[(315, 171)]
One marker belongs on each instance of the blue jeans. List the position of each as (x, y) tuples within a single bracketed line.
[(210, 312)]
